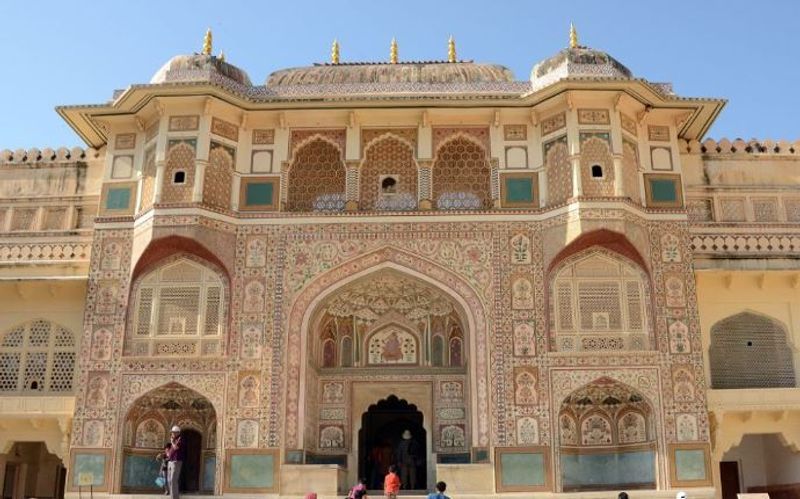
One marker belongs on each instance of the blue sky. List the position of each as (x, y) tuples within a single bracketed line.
[(59, 52)]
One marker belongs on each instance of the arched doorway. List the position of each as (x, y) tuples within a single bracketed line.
[(392, 432), (32, 471), (146, 431)]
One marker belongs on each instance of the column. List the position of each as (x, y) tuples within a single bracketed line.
[(161, 159), (619, 179)]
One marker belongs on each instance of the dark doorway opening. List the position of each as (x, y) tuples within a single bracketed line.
[(729, 479), (381, 443), (190, 474)]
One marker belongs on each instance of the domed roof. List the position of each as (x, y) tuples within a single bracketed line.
[(403, 72), (577, 61), (198, 67)]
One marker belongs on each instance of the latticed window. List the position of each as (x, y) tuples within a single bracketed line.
[(598, 303), (750, 351), (178, 309), (37, 357)]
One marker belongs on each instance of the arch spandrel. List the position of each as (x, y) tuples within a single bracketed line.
[(315, 291)]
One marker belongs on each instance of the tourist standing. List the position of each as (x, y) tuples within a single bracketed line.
[(177, 453), (391, 484), (407, 459), (163, 460)]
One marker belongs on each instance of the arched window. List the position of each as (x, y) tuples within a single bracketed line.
[(461, 176), (37, 357), (178, 309), (599, 302), (750, 351)]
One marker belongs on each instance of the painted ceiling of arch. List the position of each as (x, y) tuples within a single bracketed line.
[(370, 299), (606, 394), (174, 397)]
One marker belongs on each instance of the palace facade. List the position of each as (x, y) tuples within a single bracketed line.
[(553, 284)]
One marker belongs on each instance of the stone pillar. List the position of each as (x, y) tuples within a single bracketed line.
[(425, 187), (161, 158), (577, 186), (199, 179), (543, 198), (351, 184), (619, 177), (158, 188)]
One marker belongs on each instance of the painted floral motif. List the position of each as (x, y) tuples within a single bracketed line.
[(525, 386), (524, 340), (675, 294), (527, 431), (678, 337), (331, 437), (686, 425), (522, 294), (452, 436), (247, 433)]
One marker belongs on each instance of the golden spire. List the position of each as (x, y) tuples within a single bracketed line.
[(451, 50), (207, 42), (335, 52), (393, 52), (573, 36)]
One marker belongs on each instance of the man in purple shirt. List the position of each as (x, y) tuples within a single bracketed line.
[(175, 457)]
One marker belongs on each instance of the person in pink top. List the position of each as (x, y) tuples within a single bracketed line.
[(391, 484)]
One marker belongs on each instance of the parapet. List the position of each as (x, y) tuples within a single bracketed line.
[(48, 155), (740, 147)]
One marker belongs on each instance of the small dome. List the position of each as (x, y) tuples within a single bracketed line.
[(577, 61), (403, 72), (198, 67)]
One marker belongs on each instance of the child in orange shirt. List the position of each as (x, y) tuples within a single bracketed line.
[(391, 484)]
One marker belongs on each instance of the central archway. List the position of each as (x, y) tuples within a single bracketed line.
[(392, 432)]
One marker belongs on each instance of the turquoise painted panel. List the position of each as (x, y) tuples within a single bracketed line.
[(251, 471), (140, 472), (519, 190), (522, 469), (664, 190), (118, 198), (95, 464), (690, 464), (259, 194), (596, 470), (209, 472)]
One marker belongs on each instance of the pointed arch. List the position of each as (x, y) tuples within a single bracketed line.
[(302, 308), (179, 306), (461, 176), (751, 350), (316, 176), (593, 432), (37, 356), (394, 157)]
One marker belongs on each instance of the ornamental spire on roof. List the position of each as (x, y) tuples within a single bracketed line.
[(393, 52), (451, 49), (335, 52), (207, 42), (573, 36)]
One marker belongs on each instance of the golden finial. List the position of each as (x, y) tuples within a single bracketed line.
[(207, 42), (393, 52), (221, 55), (573, 36), (335, 52), (451, 49)]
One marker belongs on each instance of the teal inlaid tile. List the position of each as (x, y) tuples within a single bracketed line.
[(259, 194), (87, 464), (522, 469), (519, 190), (118, 198), (249, 471), (664, 190), (690, 464)]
